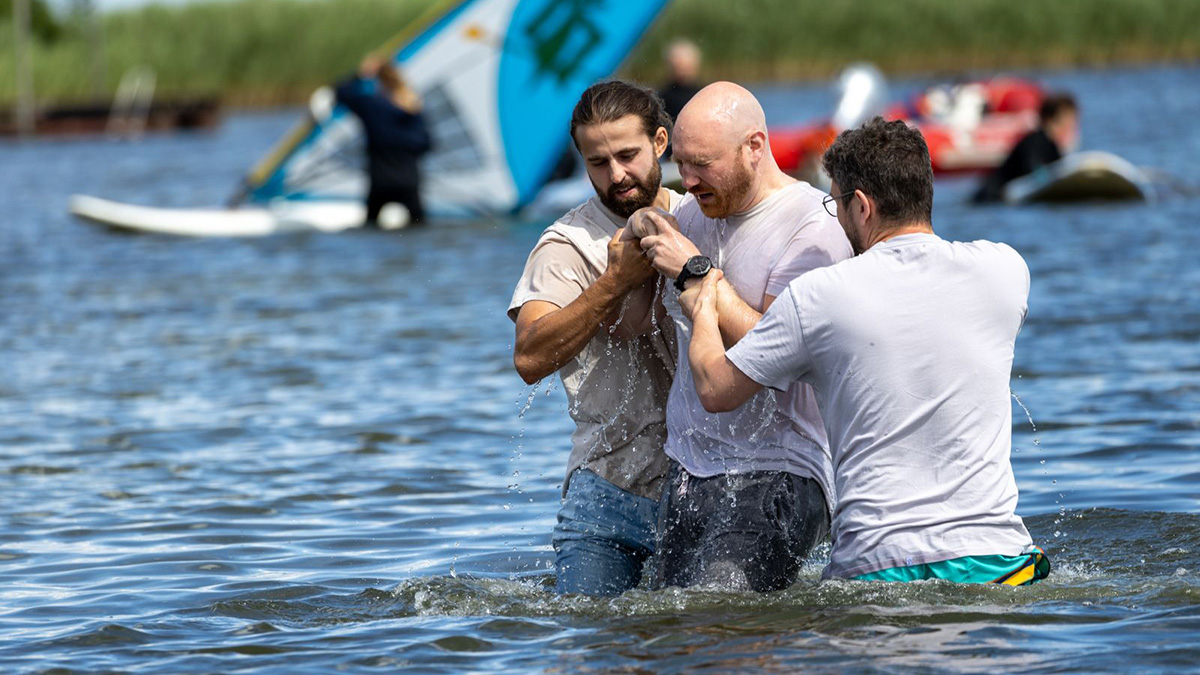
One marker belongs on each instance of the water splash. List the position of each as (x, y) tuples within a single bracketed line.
[(1058, 501)]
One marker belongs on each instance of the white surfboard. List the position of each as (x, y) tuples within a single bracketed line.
[(499, 79), (1082, 176), (330, 216)]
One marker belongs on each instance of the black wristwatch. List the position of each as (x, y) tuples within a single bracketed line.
[(696, 267)]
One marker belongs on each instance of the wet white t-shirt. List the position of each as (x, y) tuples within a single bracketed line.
[(760, 251), (910, 349)]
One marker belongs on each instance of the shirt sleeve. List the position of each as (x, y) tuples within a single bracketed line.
[(773, 353), (810, 248), (555, 272)]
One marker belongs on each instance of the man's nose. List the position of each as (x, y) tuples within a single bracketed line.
[(688, 178), (616, 173)]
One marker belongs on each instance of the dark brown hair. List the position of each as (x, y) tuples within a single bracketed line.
[(1056, 103), (888, 161), (610, 101)]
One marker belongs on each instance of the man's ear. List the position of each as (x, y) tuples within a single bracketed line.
[(862, 201), (756, 143), (660, 142)]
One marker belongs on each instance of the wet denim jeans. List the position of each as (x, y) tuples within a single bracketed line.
[(749, 531), (603, 537)]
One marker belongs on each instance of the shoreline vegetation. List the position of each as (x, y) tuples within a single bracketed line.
[(252, 53)]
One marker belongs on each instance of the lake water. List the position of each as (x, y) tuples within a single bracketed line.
[(311, 452)]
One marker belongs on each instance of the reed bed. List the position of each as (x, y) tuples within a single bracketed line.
[(263, 52)]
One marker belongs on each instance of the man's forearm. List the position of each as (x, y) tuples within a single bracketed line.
[(640, 312), (705, 352), (736, 317), (552, 340)]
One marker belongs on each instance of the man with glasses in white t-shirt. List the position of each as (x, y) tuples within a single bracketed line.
[(909, 346)]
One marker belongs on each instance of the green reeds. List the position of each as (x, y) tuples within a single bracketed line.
[(261, 52), (798, 39)]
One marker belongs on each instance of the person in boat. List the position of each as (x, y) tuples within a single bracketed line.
[(909, 346), (749, 491), (396, 136), (1057, 135), (576, 309)]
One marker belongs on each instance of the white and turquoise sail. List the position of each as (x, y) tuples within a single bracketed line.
[(499, 78)]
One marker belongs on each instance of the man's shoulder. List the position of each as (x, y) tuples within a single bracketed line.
[(798, 193), (799, 216), (587, 217), (993, 249), (794, 206), (584, 230)]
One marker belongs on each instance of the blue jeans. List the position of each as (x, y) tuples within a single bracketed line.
[(603, 537)]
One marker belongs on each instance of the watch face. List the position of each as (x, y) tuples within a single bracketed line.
[(699, 266)]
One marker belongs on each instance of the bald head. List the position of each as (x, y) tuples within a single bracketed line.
[(721, 148), (723, 110)]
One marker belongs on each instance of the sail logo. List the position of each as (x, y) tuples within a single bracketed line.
[(563, 34)]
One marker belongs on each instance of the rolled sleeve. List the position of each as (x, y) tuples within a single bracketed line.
[(773, 353), (555, 273)]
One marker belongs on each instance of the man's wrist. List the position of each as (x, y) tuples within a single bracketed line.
[(695, 267)]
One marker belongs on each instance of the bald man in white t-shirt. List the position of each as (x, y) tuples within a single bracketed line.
[(749, 491)]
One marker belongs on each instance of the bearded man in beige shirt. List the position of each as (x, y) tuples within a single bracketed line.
[(586, 307)]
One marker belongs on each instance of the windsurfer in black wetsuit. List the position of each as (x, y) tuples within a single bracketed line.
[(396, 136), (1057, 135)]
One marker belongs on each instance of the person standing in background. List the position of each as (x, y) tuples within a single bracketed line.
[(683, 72), (390, 112)]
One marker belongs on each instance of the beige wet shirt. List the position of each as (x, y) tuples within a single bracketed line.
[(616, 389)]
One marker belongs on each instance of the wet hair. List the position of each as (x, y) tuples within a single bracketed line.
[(1055, 104), (610, 101), (888, 161)]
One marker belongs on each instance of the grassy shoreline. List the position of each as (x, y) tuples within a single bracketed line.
[(269, 52)]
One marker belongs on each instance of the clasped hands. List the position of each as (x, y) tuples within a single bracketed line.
[(666, 249)]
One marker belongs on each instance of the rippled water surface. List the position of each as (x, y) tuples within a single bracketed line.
[(311, 452)]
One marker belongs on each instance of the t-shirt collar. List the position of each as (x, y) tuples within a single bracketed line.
[(906, 240), (617, 221)]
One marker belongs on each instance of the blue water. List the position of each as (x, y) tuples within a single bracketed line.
[(311, 452)]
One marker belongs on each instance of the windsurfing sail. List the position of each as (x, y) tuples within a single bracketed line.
[(499, 79)]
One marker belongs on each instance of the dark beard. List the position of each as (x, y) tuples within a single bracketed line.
[(646, 192)]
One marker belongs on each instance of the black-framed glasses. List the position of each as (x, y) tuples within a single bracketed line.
[(829, 199)]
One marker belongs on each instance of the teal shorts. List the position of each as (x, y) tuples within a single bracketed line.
[(1011, 570)]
